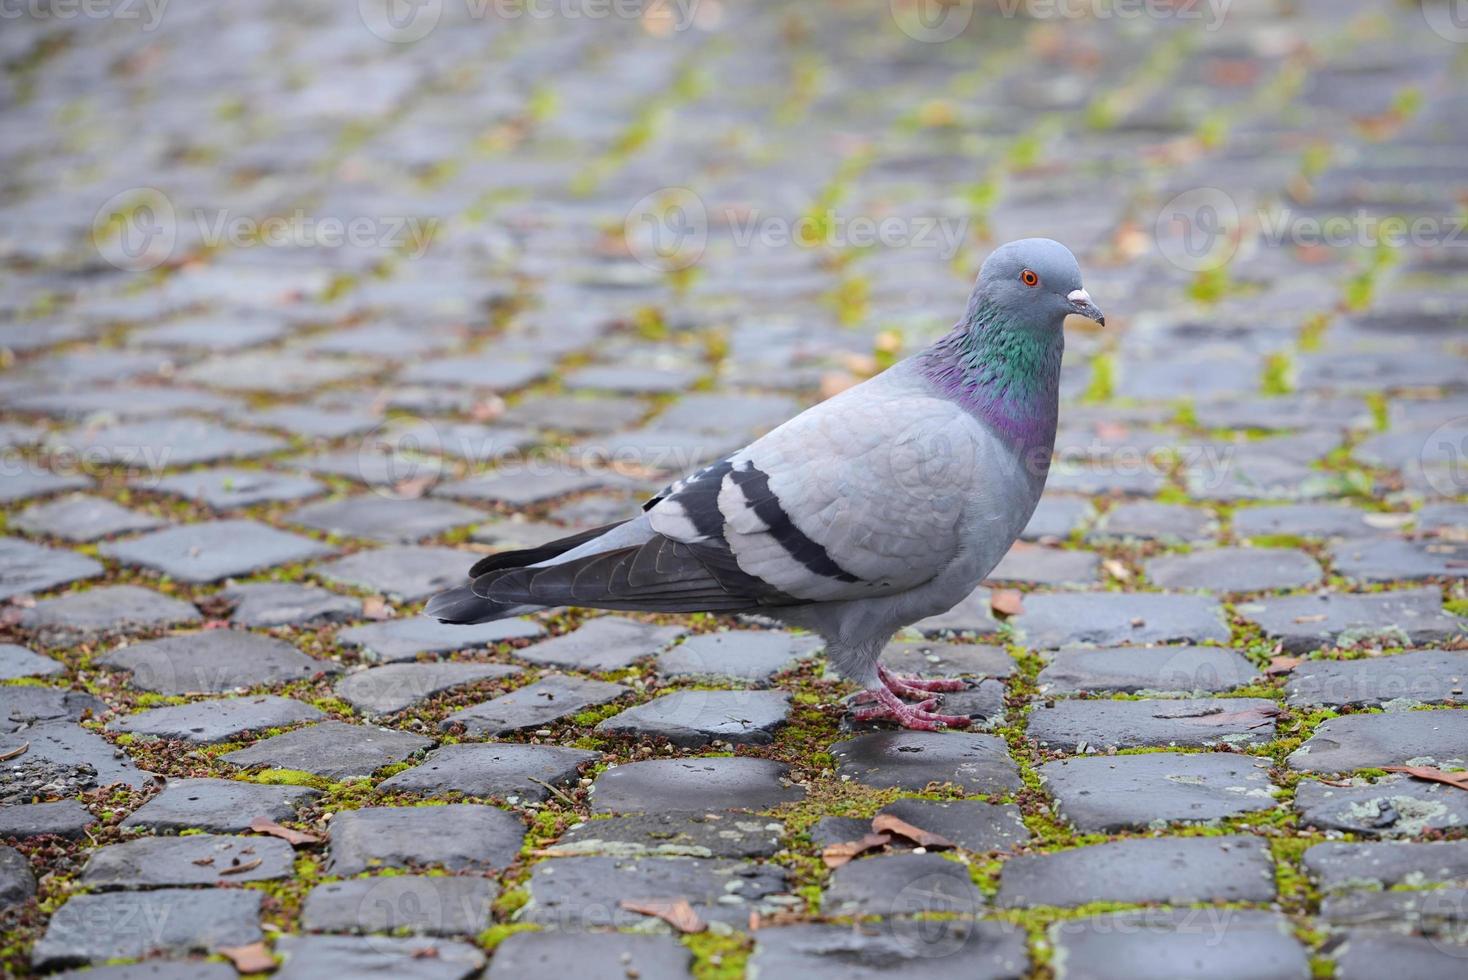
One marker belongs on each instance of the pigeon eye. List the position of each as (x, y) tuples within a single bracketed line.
[(1029, 278)]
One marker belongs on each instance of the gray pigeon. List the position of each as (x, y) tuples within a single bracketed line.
[(879, 507)]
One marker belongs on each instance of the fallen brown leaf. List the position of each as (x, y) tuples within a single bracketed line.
[(264, 825), (676, 912), (835, 855), (239, 869), (1314, 618), (1007, 602), (887, 823), (1116, 570), (425, 953), (1458, 780), (376, 607), (1283, 665), (254, 958), (15, 753), (414, 488)]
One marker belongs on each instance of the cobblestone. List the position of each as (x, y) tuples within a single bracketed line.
[(456, 837), (1176, 871), (236, 472), (214, 661)]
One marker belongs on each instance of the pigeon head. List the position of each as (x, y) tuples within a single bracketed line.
[(1034, 281), (1002, 360)]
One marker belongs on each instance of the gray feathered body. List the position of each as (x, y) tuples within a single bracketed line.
[(879, 507)]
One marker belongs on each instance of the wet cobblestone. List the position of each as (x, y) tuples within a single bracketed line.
[(237, 462)]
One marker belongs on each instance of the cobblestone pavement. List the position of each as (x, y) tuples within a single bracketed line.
[(530, 260)]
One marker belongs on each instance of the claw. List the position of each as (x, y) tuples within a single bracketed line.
[(918, 687), (920, 716)]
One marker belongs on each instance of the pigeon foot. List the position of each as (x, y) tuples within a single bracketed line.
[(919, 717), (919, 687)]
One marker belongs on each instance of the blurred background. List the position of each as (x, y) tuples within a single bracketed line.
[(426, 206)]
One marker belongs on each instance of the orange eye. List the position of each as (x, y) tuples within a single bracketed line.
[(1029, 278)]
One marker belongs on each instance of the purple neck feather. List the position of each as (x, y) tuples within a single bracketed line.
[(1003, 373)]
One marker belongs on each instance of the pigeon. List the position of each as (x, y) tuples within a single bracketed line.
[(879, 507)]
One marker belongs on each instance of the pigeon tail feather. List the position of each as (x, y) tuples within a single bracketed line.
[(462, 607)]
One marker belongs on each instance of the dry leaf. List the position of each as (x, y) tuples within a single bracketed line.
[(239, 869), (425, 953), (415, 488), (1007, 602), (887, 823), (376, 607), (1116, 570), (1387, 522), (1314, 618), (254, 958), (15, 753), (1283, 665), (676, 912), (835, 855), (1458, 780), (264, 825)]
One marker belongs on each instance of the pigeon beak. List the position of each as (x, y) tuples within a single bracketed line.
[(1081, 305)]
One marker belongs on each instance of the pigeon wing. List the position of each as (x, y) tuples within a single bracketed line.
[(852, 499)]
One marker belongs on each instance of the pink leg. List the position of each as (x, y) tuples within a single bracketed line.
[(919, 686), (890, 707)]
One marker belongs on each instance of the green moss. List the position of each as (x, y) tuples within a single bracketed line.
[(1103, 378), (1279, 541), (291, 777), (719, 956), (1279, 374), (592, 716), (511, 900), (496, 934)]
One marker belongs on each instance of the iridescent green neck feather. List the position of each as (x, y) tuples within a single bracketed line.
[(1005, 373)]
